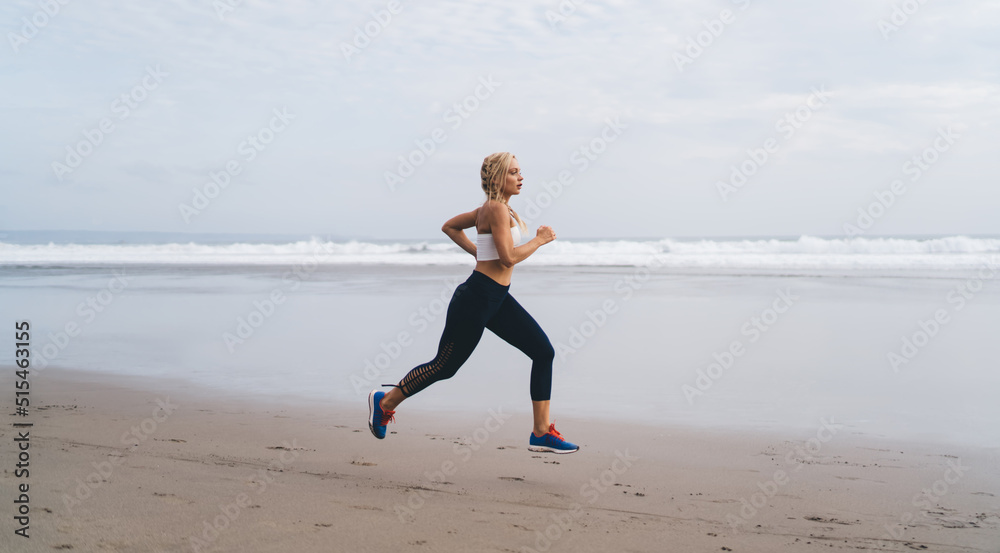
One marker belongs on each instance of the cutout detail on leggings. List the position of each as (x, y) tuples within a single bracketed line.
[(426, 374)]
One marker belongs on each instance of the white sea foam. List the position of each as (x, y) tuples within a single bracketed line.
[(805, 253)]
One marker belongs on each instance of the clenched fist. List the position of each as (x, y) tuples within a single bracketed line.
[(546, 234)]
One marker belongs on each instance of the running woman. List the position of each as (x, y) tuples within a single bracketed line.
[(482, 302)]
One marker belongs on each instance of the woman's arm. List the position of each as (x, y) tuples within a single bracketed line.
[(455, 229), (498, 217)]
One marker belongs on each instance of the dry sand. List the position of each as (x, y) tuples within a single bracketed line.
[(142, 464)]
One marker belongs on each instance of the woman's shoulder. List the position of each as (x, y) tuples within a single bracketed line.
[(494, 206)]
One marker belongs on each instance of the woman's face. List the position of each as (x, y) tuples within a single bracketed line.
[(512, 180)]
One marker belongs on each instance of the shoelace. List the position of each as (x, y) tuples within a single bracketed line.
[(554, 432), (387, 417)]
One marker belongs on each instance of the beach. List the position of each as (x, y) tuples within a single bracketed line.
[(761, 239), (140, 464), (743, 402)]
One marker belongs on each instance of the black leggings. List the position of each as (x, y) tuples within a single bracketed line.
[(479, 303)]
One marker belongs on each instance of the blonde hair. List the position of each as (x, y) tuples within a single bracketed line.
[(493, 173)]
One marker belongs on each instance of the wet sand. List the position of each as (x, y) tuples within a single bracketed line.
[(120, 463)]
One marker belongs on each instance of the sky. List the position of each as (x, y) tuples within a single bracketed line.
[(370, 120)]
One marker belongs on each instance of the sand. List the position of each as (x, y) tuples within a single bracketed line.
[(144, 464)]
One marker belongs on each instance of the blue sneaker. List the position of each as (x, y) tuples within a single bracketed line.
[(552, 442), (377, 418)]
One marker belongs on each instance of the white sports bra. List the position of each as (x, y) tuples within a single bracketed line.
[(486, 248)]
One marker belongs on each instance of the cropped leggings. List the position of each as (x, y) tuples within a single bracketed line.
[(477, 304)]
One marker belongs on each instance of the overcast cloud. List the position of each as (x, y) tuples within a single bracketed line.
[(670, 121)]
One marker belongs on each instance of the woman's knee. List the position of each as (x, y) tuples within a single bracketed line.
[(544, 351), (446, 373)]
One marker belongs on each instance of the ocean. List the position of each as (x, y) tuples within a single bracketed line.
[(888, 336), (804, 253)]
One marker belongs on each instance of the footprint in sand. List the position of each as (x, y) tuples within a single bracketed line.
[(171, 498), (828, 520)]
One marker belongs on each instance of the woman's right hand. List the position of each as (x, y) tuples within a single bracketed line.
[(545, 234)]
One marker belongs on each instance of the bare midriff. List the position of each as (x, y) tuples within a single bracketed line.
[(495, 270)]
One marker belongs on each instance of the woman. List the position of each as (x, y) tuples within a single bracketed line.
[(482, 302)]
